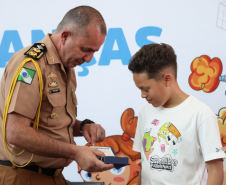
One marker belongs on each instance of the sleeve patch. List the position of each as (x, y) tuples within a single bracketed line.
[(26, 75)]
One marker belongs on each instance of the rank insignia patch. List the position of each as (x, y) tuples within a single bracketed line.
[(36, 51), (26, 75), (53, 84), (51, 75)]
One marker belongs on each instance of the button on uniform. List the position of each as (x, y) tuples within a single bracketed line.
[(54, 115)]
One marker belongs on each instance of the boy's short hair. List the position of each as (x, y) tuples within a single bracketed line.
[(153, 59)]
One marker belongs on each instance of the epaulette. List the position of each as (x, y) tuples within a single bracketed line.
[(36, 51)]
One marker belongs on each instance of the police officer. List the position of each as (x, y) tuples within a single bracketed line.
[(81, 33)]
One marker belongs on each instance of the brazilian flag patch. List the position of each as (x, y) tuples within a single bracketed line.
[(26, 75)]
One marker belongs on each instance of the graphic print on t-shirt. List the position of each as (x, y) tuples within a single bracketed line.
[(165, 136), (148, 142), (165, 163), (169, 132)]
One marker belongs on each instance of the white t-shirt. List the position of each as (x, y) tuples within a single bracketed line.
[(175, 142)]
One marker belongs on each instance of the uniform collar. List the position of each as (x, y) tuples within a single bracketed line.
[(52, 54)]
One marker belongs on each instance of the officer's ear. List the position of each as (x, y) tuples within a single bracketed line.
[(65, 35)]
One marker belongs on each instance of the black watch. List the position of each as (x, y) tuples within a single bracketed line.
[(86, 121)]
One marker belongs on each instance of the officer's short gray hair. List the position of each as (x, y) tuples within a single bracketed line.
[(78, 19)]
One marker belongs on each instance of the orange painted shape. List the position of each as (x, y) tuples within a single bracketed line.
[(205, 73)]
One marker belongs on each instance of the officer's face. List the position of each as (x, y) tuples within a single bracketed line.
[(80, 48)]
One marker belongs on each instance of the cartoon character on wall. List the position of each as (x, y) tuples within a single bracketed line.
[(221, 119), (167, 131), (122, 145), (206, 74)]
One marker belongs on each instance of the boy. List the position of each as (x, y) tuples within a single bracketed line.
[(177, 135)]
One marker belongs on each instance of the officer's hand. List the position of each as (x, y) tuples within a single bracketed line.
[(87, 160), (93, 133)]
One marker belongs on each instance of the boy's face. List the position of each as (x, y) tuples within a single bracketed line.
[(155, 92)]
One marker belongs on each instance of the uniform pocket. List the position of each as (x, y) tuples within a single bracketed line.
[(58, 113), (57, 99)]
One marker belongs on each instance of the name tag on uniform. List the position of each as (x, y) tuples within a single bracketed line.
[(54, 91)]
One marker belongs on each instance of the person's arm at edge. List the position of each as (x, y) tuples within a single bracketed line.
[(21, 134), (139, 177), (215, 172)]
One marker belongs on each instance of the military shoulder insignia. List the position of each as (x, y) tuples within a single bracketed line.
[(36, 51)]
